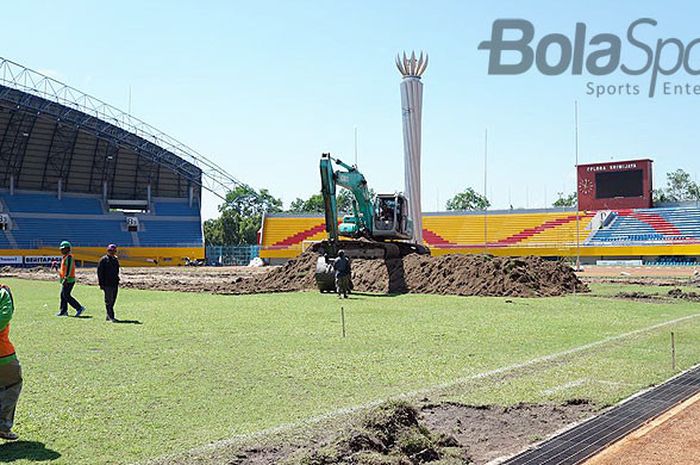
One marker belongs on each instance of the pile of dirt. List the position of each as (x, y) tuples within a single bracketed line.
[(445, 433), (680, 294), (479, 275), (388, 435), (635, 295)]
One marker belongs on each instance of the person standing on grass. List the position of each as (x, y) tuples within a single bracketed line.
[(341, 265), (67, 276), (10, 369), (108, 278)]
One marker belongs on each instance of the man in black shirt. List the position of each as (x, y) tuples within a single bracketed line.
[(108, 278), (341, 265)]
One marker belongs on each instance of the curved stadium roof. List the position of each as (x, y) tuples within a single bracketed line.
[(50, 131)]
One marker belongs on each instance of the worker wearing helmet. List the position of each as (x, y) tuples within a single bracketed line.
[(67, 277), (10, 369)]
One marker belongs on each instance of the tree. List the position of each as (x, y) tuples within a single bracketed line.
[(468, 200), (241, 214), (345, 199), (247, 202), (313, 204), (568, 201), (213, 232), (679, 188)]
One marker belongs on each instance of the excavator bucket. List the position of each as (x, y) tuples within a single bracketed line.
[(363, 249)]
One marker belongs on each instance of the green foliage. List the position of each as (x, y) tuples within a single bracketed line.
[(468, 200), (565, 201), (240, 217), (679, 188), (345, 199), (313, 204)]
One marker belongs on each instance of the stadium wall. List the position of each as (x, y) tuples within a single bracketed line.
[(546, 233), (89, 256)]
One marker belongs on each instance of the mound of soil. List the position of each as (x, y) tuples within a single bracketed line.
[(388, 435), (446, 433), (638, 296), (680, 294), (480, 275)]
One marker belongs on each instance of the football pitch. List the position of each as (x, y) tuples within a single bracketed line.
[(189, 369)]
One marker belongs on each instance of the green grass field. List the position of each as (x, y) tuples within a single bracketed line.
[(201, 368)]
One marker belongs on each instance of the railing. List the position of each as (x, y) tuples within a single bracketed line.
[(27, 80), (237, 255)]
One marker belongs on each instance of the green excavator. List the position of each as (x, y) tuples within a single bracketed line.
[(377, 228)]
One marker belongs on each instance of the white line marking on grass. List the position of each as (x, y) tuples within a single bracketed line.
[(564, 387), (419, 392)]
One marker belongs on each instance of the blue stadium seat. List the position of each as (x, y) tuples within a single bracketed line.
[(38, 232), (176, 233), (47, 202), (646, 225), (175, 209)]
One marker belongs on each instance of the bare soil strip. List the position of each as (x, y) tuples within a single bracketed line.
[(674, 438)]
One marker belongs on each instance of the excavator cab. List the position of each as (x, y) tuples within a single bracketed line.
[(391, 219)]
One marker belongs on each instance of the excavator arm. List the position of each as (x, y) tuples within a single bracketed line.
[(328, 193), (354, 181)]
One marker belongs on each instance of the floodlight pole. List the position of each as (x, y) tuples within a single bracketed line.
[(578, 230), (486, 227), (355, 146)]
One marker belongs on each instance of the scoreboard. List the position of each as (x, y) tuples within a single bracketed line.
[(615, 185)]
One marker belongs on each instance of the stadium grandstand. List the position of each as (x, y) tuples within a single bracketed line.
[(615, 223), (75, 168)]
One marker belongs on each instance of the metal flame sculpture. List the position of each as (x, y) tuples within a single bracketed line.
[(412, 66)]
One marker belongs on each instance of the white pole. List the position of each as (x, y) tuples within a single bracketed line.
[(355, 145), (486, 228), (578, 230)]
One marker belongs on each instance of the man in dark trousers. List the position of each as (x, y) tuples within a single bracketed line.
[(341, 265), (67, 277), (108, 278)]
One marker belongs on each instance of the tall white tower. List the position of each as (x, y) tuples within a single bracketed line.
[(412, 68)]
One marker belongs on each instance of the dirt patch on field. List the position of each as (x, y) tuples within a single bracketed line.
[(682, 272), (185, 279), (640, 296), (479, 275), (680, 294), (398, 433)]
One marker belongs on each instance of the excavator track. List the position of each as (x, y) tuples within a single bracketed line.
[(364, 249)]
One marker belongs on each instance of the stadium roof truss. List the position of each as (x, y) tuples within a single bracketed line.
[(30, 99)]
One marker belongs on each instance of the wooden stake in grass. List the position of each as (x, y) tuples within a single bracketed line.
[(342, 319), (673, 350)]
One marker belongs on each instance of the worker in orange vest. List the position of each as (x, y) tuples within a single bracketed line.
[(10, 369), (67, 277)]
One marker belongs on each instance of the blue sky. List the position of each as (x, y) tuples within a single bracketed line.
[(262, 88)]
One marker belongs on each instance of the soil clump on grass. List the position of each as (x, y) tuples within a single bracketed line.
[(400, 433)]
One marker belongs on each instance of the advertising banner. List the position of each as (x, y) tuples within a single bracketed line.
[(40, 260)]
